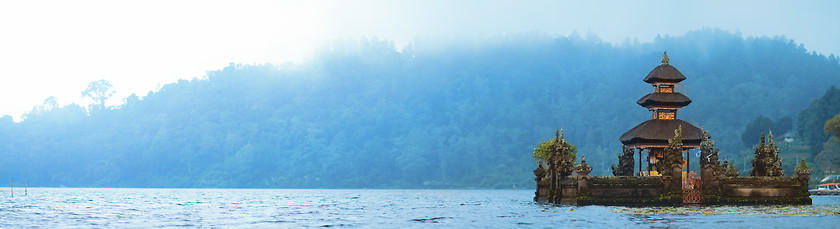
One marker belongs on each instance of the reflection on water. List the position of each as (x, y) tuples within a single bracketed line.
[(62, 207), (816, 210)]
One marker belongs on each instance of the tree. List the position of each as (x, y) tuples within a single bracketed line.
[(48, 105), (812, 119), (833, 126), (829, 158), (783, 125), (98, 91), (764, 124), (758, 125)]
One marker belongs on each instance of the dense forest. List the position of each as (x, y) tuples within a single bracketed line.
[(809, 141), (434, 114)]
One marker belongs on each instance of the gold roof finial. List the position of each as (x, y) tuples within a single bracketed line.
[(665, 58)]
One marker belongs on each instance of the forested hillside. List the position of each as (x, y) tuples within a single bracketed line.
[(360, 114)]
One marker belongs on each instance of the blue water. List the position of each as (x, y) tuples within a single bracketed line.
[(281, 208)]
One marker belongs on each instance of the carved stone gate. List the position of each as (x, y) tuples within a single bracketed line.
[(692, 190)]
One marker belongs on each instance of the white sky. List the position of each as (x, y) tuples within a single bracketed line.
[(55, 48)]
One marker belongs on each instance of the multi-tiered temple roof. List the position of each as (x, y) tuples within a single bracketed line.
[(664, 73), (663, 103), (658, 99)]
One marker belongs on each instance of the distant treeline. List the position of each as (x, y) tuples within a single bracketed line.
[(360, 114)]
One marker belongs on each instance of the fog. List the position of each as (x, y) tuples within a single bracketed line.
[(385, 94), (360, 114), (56, 48)]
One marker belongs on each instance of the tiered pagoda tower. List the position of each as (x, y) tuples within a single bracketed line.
[(663, 103)]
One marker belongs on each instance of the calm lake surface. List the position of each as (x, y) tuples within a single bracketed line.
[(283, 208)]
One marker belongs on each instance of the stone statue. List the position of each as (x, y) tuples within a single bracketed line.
[(539, 173), (563, 155), (560, 163), (709, 156), (625, 162), (708, 152), (774, 163), (673, 153), (583, 169), (766, 161), (730, 170)]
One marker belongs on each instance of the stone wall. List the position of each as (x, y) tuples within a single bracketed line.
[(758, 190), (608, 190), (625, 190), (583, 189), (566, 192), (641, 191)]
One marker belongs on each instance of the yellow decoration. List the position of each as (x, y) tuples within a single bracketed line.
[(665, 115), (666, 90)]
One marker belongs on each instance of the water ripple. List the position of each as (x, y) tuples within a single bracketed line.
[(266, 208)]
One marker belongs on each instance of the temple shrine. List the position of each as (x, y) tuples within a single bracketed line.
[(664, 103), (666, 141)]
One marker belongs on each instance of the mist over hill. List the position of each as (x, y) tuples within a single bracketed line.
[(360, 114)]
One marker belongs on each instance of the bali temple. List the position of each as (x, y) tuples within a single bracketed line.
[(664, 142), (652, 135)]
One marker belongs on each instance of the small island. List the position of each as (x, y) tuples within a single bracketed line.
[(665, 142)]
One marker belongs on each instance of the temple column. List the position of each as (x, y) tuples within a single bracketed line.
[(640, 162), (687, 161), (649, 166)]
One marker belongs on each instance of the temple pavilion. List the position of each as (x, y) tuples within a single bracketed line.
[(664, 103)]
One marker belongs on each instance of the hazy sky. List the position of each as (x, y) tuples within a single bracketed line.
[(55, 48)]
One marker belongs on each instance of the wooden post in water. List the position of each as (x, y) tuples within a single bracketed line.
[(12, 186), (25, 192)]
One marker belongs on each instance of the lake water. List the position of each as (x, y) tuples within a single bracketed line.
[(283, 208)]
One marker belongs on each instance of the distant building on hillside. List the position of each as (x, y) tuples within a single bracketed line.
[(789, 136)]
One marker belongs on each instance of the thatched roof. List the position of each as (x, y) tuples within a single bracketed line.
[(658, 131), (664, 99), (664, 73)]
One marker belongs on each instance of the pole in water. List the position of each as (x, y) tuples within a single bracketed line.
[(12, 186), (25, 192)]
